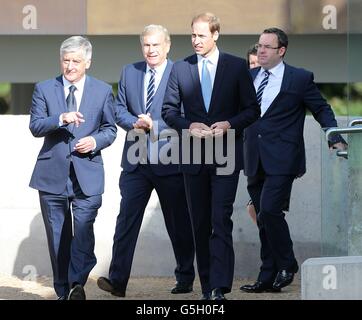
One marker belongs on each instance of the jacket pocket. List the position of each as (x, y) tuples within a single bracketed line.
[(289, 138)]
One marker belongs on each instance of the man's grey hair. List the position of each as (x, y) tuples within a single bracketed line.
[(74, 44), (155, 28)]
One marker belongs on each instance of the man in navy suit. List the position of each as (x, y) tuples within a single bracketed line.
[(210, 94), (138, 111), (74, 114), (274, 153)]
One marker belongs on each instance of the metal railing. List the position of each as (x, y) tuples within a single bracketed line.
[(349, 129)]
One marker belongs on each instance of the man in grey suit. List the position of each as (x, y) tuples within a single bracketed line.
[(74, 114), (138, 111)]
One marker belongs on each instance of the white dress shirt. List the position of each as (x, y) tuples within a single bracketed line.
[(159, 70), (272, 89), (77, 93), (211, 65)]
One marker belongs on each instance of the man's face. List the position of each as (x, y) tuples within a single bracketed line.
[(203, 41), (73, 66), (155, 49), (253, 61), (269, 55)]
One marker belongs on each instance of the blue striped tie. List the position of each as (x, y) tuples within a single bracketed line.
[(150, 90), (259, 93), (206, 84)]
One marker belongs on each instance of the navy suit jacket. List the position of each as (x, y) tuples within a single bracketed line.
[(276, 139), (52, 166), (233, 99), (130, 103)]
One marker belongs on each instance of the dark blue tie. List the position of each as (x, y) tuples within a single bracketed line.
[(71, 102), (150, 90), (259, 93)]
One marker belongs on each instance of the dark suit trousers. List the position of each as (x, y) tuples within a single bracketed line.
[(136, 188), (268, 193), (71, 249), (210, 198)]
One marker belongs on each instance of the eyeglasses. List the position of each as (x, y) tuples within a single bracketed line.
[(267, 47)]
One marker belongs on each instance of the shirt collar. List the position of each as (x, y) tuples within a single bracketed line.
[(213, 58), (79, 85), (276, 71), (159, 69)]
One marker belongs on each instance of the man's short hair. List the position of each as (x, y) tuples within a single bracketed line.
[(210, 18), (76, 43), (154, 28), (281, 35)]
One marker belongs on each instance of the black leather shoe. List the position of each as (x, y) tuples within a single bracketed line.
[(259, 287), (283, 279), (77, 293), (206, 296), (182, 287), (106, 285), (217, 294)]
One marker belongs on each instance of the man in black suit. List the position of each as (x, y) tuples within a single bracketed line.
[(210, 94), (274, 153)]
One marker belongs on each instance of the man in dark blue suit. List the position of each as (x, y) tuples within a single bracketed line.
[(138, 111), (210, 94), (74, 114), (274, 153)]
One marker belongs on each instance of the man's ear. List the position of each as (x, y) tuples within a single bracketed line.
[(215, 35), (282, 51)]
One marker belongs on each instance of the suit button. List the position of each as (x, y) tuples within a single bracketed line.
[(259, 136)]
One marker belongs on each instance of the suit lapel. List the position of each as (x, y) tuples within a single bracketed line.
[(162, 86), (287, 78), (86, 96), (59, 92), (218, 79), (140, 87), (196, 78), (286, 82)]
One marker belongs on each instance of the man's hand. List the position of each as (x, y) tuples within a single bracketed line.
[(146, 118), (143, 124), (219, 128), (85, 145), (72, 117), (200, 130), (339, 146)]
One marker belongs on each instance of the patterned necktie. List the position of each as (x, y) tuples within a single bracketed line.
[(150, 90), (71, 102), (259, 93), (206, 84)]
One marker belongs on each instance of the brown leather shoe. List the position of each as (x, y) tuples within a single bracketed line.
[(106, 285)]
